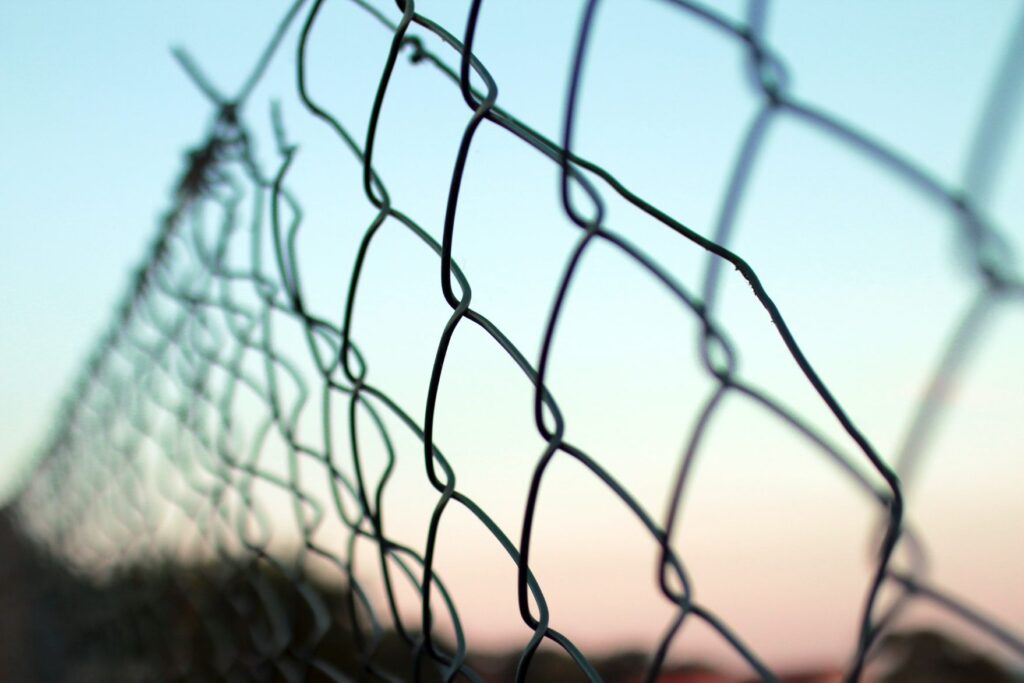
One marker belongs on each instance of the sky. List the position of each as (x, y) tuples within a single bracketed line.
[(865, 268)]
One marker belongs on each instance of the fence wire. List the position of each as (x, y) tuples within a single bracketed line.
[(181, 402)]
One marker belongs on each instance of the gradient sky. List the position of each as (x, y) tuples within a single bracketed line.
[(96, 116)]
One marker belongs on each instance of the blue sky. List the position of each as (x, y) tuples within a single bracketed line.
[(96, 117)]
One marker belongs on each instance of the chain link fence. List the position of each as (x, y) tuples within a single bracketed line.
[(218, 480)]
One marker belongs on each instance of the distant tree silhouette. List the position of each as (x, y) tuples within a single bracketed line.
[(931, 657)]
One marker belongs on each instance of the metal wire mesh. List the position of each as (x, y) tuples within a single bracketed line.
[(163, 450)]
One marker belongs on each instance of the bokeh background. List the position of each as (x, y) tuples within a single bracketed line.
[(867, 269)]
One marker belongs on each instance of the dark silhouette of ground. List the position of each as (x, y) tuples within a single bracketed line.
[(259, 621), (932, 657)]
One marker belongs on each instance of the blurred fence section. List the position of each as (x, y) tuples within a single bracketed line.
[(206, 501)]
